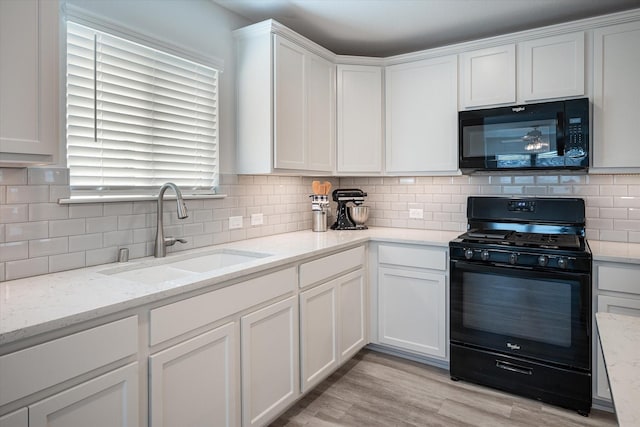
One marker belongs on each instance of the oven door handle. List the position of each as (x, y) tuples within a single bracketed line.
[(513, 367)]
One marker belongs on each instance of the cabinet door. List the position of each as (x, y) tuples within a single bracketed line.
[(359, 114), (422, 116), (609, 304), (196, 383), (321, 113), (289, 105), (318, 333), (110, 400), (616, 91), (352, 314), (412, 310), (28, 82), (551, 67), (269, 361), (488, 76), (19, 418)]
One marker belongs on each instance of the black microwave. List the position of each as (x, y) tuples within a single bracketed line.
[(550, 135)]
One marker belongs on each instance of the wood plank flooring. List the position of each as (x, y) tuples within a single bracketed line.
[(375, 389)]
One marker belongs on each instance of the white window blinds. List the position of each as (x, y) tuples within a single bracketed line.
[(138, 117)]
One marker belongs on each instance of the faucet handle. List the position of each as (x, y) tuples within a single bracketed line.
[(170, 241)]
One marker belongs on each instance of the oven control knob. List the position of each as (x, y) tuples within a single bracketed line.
[(468, 253), (513, 259), (543, 260), (563, 263), (484, 255)]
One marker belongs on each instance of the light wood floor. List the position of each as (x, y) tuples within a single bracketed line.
[(374, 389)]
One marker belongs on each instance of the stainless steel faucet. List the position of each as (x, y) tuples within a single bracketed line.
[(162, 242)]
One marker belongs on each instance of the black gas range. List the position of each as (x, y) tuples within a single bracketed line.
[(520, 295)]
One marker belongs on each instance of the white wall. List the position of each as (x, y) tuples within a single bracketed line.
[(201, 26)]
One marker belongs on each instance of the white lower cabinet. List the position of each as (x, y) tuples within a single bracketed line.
[(411, 312), (196, 382), (110, 400), (269, 361), (412, 299), (617, 291), (19, 418), (332, 322)]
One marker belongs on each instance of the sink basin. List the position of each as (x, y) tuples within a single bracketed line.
[(180, 266)]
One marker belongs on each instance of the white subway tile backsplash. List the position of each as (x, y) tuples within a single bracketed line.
[(26, 231), (101, 256), (44, 247), (47, 211), (119, 238), (10, 176), (46, 176), (26, 268), (86, 211), (14, 213), (66, 261), (27, 194), (12, 251), (94, 232), (85, 242), (101, 224), (67, 227)]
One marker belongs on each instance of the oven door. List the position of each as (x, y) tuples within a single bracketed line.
[(539, 315)]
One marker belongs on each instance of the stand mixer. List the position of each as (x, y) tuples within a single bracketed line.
[(344, 220)]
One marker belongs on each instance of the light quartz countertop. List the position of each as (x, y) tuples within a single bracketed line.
[(620, 341), (42, 304), (615, 251)]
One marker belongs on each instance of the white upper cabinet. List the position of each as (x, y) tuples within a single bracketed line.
[(551, 67), (488, 76), (421, 116), (28, 82), (359, 116), (286, 105), (616, 93)]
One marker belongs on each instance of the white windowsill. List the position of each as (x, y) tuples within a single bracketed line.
[(133, 198)]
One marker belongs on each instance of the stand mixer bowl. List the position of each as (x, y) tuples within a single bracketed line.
[(359, 214)]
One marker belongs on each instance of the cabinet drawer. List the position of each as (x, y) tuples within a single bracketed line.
[(329, 266), (204, 309), (419, 257), (618, 278), (36, 368)]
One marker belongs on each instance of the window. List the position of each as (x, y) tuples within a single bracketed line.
[(137, 117)]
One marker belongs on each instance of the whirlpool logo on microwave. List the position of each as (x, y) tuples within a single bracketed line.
[(513, 346), (518, 109)]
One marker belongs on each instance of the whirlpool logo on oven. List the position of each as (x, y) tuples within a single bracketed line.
[(513, 346)]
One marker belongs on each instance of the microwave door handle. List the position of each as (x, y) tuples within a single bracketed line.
[(560, 145)]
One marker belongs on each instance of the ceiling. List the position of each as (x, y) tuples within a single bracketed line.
[(391, 27)]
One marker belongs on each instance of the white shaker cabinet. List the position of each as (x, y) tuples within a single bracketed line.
[(412, 299), (19, 418), (332, 323), (29, 94), (488, 76), (421, 116), (196, 383), (110, 400), (286, 104), (616, 92), (269, 361), (551, 67), (618, 291), (359, 118)]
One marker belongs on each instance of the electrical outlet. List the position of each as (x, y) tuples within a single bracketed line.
[(416, 213), (235, 222), (257, 219)]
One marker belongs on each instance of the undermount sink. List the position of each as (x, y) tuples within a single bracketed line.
[(180, 266)]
